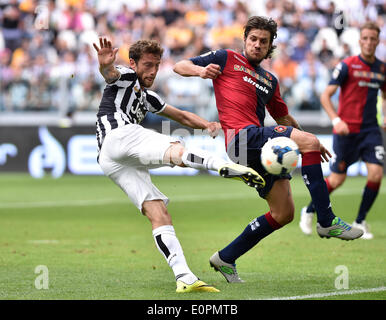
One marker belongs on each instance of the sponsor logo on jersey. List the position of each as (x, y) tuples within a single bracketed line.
[(369, 75), (254, 74), (374, 85), (261, 88), (268, 76)]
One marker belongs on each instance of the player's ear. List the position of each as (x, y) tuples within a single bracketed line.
[(133, 64)]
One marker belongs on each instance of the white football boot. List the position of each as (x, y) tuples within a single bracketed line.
[(305, 223), (365, 228)]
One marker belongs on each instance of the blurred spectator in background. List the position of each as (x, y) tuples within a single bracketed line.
[(286, 70), (325, 54), (312, 78), (300, 47), (12, 25)]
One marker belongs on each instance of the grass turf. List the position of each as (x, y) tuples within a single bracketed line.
[(96, 245)]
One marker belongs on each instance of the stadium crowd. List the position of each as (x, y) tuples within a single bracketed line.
[(47, 61)]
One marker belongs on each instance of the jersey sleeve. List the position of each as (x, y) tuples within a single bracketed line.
[(126, 78), (339, 74), (276, 107), (154, 101), (216, 57)]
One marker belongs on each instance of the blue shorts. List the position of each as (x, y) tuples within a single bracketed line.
[(245, 149), (366, 145)]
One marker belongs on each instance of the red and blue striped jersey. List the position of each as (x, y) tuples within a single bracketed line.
[(242, 91), (359, 83)]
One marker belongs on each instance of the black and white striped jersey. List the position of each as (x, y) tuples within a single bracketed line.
[(124, 102)]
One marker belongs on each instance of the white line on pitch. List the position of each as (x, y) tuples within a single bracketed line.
[(329, 294)]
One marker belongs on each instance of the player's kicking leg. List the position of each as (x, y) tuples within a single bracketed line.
[(245, 174), (200, 159), (169, 246)]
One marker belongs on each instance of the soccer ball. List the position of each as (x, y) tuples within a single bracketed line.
[(280, 155)]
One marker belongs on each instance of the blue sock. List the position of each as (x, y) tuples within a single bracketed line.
[(313, 178), (256, 230), (369, 195), (311, 207)]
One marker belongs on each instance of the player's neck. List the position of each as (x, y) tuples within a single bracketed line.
[(252, 63), (368, 59)]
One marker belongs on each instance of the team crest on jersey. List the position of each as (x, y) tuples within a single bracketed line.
[(342, 166), (280, 129)]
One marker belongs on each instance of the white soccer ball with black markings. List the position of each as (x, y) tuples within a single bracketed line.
[(280, 155)]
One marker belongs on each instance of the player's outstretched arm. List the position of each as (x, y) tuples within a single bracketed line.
[(187, 68), (106, 59), (191, 120)]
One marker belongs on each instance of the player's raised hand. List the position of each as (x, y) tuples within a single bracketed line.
[(106, 54), (211, 71)]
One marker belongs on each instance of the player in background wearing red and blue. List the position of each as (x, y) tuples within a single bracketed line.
[(243, 90), (356, 133)]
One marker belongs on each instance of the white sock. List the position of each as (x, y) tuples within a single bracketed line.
[(200, 159), (169, 246)]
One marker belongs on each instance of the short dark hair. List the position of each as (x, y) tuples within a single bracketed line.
[(262, 23), (370, 25), (139, 48)]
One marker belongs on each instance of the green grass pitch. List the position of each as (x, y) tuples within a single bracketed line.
[(96, 245)]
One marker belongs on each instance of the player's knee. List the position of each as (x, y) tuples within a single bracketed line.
[(157, 213), (289, 216), (312, 142), (284, 215), (375, 175), (174, 154), (335, 181), (308, 142)]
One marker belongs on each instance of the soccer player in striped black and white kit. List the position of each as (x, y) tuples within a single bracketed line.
[(127, 150)]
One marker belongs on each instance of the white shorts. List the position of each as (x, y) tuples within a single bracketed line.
[(126, 156)]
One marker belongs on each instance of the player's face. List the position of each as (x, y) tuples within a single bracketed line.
[(256, 45), (368, 42), (146, 68)]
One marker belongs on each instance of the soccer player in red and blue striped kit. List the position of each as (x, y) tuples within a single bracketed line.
[(356, 133), (243, 91)]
